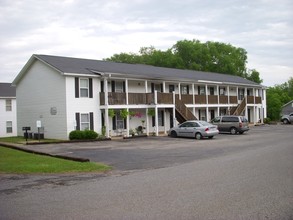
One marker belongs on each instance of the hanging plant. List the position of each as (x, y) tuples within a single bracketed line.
[(124, 113), (151, 112), (111, 113)]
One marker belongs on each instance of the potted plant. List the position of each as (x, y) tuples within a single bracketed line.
[(151, 112), (124, 113), (111, 113)]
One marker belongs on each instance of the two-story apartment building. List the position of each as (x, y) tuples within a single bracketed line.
[(70, 93), (7, 110)]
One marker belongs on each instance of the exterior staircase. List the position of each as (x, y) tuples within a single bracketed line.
[(239, 109), (182, 112)]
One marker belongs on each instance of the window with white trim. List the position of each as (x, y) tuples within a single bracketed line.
[(119, 86), (84, 122), (184, 89), (8, 105), (8, 126), (84, 88)]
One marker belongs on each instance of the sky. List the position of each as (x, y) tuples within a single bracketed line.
[(97, 29)]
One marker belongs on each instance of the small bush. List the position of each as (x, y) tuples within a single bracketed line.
[(89, 134), (267, 120), (83, 135)]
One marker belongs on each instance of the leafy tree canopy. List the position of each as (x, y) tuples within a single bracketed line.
[(277, 96), (194, 55)]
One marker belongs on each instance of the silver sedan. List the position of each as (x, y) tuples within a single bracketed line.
[(196, 129)]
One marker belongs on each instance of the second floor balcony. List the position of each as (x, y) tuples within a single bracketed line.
[(115, 98)]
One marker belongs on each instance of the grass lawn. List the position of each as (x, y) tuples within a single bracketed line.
[(14, 161)]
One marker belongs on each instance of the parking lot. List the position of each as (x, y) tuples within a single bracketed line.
[(158, 152)]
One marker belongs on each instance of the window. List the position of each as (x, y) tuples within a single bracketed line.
[(201, 90), (222, 90), (119, 122), (84, 122), (212, 91), (9, 127), (119, 86), (171, 88), (184, 89), (8, 105), (84, 88)]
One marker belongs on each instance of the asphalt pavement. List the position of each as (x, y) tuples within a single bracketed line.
[(230, 177)]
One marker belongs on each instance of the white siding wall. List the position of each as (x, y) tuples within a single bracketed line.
[(82, 105), (39, 90), (7, 116), (136, 86)]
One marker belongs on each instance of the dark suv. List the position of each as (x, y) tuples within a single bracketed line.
[(231, 123)]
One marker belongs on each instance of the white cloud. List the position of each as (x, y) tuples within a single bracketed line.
[(98, 29)]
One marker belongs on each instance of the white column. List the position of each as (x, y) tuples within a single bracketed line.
[(174, 109), (206, 91), (193, 95), (179, 91), (207, 114), (156, 121), (107, 122), (126, 90), (164, 86), (106, 110), (146, 86), (147, 122), (165, 122), (218, 93), (228, 94), (127, 124)]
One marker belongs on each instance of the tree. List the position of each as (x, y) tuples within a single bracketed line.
[(194, 55), (253, 75), (277, 96)]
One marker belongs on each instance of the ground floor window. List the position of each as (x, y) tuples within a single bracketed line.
[(84, 122), (9, 127)]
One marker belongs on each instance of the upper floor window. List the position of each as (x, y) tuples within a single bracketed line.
[(8, 105), (119, 86), (212, 91), (84, 88), (201, 90), (184, 89), (222, 91)]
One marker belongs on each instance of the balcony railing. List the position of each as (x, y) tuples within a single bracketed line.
[(167, 98), (200, 99)]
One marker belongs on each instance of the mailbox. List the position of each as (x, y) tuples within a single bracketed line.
[(26, 128)]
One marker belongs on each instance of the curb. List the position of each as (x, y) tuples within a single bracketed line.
[(77, 159)]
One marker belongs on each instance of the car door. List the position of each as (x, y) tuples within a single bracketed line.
[(191, 129), (182, 129)]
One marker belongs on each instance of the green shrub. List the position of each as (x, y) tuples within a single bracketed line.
[(90, 134), (83, 135), (76, 135), (267, 120)]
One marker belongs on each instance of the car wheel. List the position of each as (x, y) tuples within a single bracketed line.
[(233, 130), (211, 137), (173, 134), (286, 121), (198, 136)]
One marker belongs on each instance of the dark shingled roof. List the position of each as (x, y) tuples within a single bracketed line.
[(6, 90), (87, 66)]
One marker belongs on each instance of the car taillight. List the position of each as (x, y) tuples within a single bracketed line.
[(240, 125), (207, 129)]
